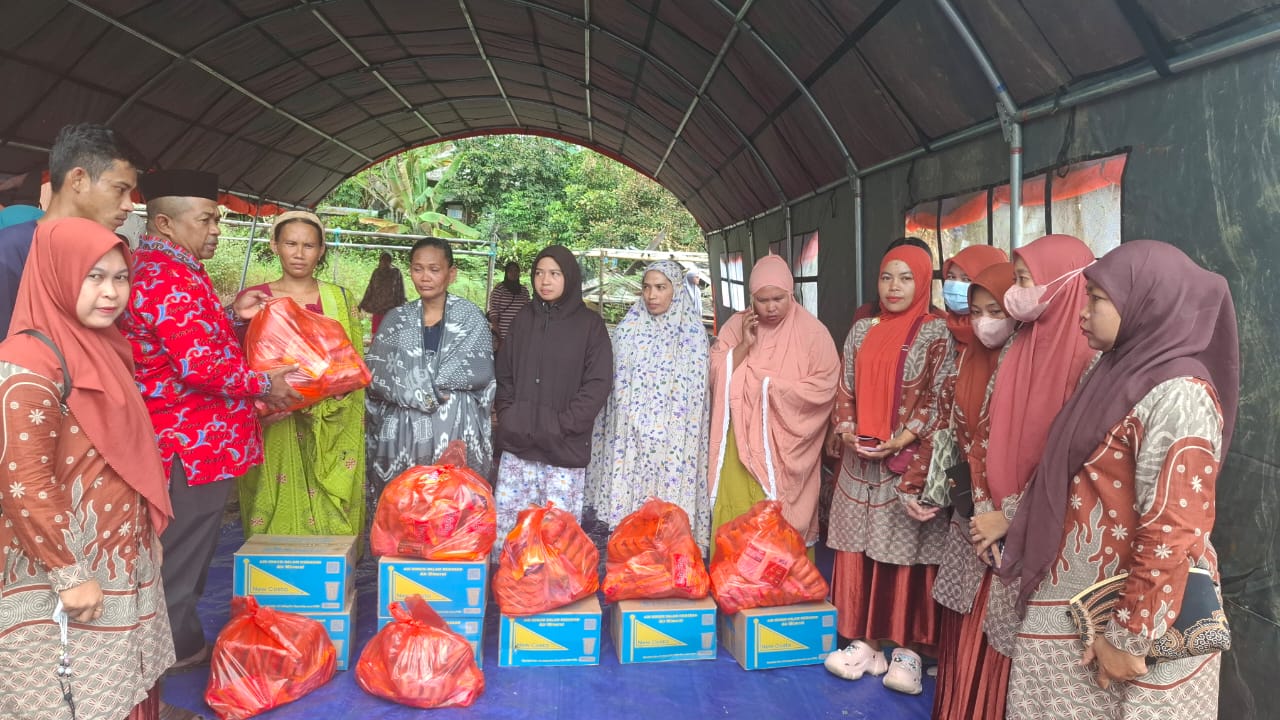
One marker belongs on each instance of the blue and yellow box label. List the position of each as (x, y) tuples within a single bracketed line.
[(451, 588), (666, 630), (299, 573), (341, 629), (569, 635), (762, 638)]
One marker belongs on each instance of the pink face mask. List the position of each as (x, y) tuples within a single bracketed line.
[(1027, 304), (993, 332)]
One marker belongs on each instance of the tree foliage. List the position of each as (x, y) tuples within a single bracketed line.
[(414, 186), (526, 192)]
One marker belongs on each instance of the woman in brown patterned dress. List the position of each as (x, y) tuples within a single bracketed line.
[(887, 545), (1126, 484), (83, 493), (972, 675)]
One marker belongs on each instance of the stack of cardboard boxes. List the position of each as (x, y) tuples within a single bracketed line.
[(455, 590), (307, 575)]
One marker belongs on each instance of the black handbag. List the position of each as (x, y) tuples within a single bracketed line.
[(1200, 629), (960, 489)]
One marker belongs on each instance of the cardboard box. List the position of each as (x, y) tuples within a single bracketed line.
[(762, 638), (565, 636), (471, 628), (452, 588), (341, 629), (300, 573), (665, 630)]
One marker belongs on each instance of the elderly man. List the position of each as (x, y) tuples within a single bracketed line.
[(91, 177), (196, 382)]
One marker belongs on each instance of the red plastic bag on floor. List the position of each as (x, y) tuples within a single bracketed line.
[(265, 658), (418, 661), (284, 333), (546, 563), (652, 554), (760, 561), (437, 512)]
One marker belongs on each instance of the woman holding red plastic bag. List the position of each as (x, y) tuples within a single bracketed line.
[(84, 495), (887, 545), (311, 480)]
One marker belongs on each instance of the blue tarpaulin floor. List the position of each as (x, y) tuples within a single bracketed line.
[(662, 691)]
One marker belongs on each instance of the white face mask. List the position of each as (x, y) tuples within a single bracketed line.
[(993, 332)]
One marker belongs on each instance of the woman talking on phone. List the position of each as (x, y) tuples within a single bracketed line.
[(887, 545), (773, 375)]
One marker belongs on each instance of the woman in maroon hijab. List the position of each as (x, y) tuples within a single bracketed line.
[(1126, 484)]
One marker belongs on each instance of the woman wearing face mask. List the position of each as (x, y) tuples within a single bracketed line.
[(85, 496), (651, 437), (887, 545), (972, 677), (1038, 373), (1127, 484)]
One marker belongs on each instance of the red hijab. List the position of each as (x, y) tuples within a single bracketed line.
[(104, 398), (876, 365), (979, 362), (971, 261), (1042, 367), (1176, 320)]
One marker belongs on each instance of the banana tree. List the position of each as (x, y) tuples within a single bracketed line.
[(414, 186)]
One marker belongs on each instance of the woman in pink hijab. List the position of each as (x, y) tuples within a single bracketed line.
[(773, 378)]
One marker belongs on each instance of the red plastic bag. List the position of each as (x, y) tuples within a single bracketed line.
[(547, 562), (760, 561), (418, 661), (265, 658), (652, 554), (284, 333), (438, 512)]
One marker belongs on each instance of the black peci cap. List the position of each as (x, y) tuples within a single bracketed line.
[(179, 183)]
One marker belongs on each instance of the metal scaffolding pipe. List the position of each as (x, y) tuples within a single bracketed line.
[(857, 238), (248, 250), (1006, 110)]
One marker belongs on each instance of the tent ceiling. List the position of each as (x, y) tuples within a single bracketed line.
[(734, 105)]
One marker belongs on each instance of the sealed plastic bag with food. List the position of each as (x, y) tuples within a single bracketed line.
[(760, 561), (284, 333), (436, 512), (546, 563), (265, 658), (652, 554), (417, 660)]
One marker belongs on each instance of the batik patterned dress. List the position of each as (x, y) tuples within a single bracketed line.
[(68, 518), (866, 513), (973, 672), (1144, 503)]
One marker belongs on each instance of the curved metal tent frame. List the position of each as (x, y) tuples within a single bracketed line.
[(284, 99)]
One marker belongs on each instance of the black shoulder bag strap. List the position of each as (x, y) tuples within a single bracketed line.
[(66, 374)]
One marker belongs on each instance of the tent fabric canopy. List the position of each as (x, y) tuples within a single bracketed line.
[(736, 106)]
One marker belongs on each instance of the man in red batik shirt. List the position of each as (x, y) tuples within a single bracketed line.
[(196, 383)]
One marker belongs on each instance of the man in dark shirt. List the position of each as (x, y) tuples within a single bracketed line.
[(91, 177)]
